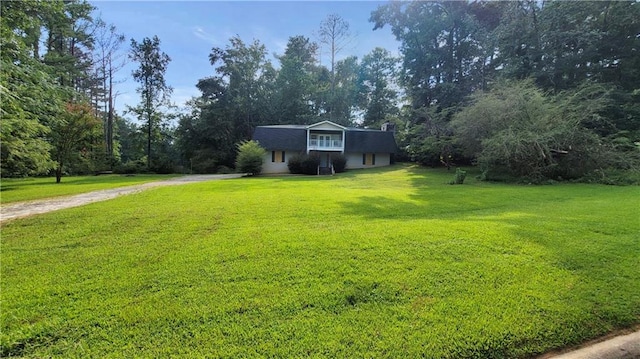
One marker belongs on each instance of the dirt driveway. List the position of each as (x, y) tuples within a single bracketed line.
[(25, 209)]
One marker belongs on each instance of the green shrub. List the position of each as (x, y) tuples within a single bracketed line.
[(430, 150), (249, 158), (133, 166), (519, 131), (310, 165), (459, 177), (203, 164), (613, 176), (304, 164), (162, 165), (339, 162), (295, 164), (224, 170)]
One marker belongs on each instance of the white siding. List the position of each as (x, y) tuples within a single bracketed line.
[(384, 158), (354, 160), (274, 167), (325, 126)]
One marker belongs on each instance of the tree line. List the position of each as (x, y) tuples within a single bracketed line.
[(536, 90), (527, 89), (57, 88)]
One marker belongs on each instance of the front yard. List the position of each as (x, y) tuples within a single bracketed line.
[(376, 263)]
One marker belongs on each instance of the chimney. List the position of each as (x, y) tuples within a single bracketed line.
[(388, 127)]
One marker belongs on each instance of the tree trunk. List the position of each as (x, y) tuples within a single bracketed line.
[(59, 173), (110, 118), (149, 143), (333, 78)]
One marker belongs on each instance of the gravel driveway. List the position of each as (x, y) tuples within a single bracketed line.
[(25, 209)]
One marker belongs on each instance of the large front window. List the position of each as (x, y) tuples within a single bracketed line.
[(325, 141)]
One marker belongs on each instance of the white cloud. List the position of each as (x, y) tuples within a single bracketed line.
[(202, 34)]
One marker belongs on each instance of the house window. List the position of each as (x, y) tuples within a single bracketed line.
[(325, 141), (277, 156), (369, 159)]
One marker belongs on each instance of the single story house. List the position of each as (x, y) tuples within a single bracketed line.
[(363, 148)]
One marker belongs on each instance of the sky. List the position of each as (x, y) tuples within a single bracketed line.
[(188, 30)]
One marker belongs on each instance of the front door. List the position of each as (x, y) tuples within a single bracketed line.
[(325, 160)]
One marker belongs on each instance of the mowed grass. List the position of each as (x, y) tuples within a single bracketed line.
[(26, 189), (382, 263)]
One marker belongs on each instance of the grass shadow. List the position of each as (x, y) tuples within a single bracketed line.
[(585, 239)]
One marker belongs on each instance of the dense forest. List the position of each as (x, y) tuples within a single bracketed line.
[(533, 90)]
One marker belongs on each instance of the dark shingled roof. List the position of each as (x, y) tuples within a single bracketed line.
[(370, 141), (286, 138), (294, 138)]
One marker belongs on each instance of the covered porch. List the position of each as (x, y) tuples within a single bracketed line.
[(325, 136)]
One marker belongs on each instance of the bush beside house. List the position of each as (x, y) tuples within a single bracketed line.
[(339, 162), (303, 164), (295, 164), (249, 158), (310, 165)]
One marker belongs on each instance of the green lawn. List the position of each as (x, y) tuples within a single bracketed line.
[(26, 189), (380, 263)]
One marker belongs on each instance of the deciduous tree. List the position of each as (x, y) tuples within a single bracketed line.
[(519, 129), (73, 136), (378, 87), (344, 100), (296, 83), (439, 49)]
